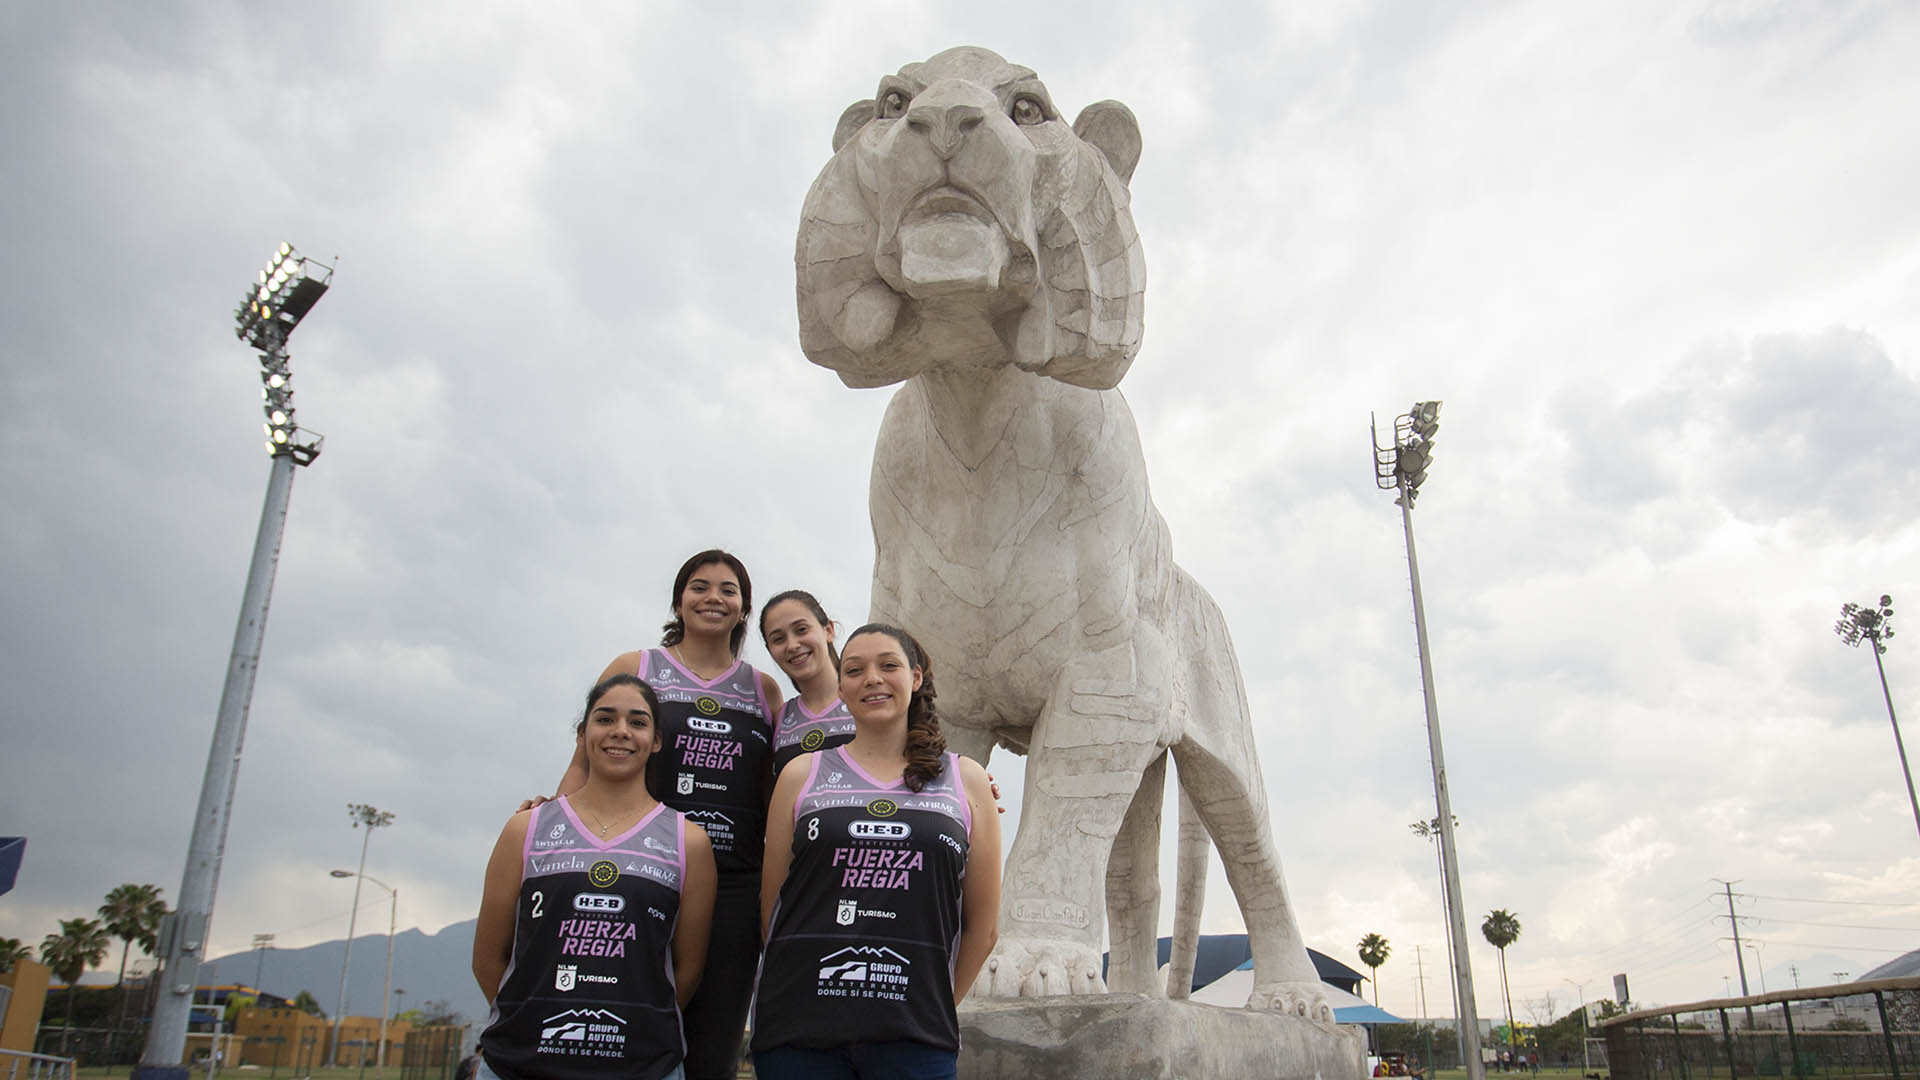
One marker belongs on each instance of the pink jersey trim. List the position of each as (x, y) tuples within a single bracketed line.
[(566, 804), (880, 784), (823, 714), (708, 684), (683, 863), (813, 770), (960, 790), (766, 703)]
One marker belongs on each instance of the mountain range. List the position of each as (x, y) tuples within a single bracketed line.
[(428, 967)]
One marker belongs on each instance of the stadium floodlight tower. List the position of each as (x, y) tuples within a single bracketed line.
[(1874, 625), (273, 307), (1402, 466)]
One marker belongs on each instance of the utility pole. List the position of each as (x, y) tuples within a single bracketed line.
[(1738, 956), (1420, 978)]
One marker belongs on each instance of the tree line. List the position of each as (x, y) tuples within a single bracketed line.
[(131, 914)]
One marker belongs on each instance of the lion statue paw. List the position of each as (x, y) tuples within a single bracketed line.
[(1294, 999), (1041, 969)]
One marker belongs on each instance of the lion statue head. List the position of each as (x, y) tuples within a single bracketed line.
[(962, 222)]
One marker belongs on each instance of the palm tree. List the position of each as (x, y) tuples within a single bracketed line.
[(80, 944), (132, 913), (1502, 930), (1373, 953), (12, 951)]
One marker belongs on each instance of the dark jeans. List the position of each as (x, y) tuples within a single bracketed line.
[(859, 1061), (715, 1021)]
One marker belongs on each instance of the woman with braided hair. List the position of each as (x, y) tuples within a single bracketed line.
[(881, 881)]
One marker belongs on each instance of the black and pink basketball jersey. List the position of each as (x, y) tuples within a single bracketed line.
[(862, 939), (715, 759), (589, 992), (800, 731)]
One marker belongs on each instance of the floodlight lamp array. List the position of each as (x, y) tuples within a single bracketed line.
[(285, 291), (1403, 463), (274, 305), (1869, 623)]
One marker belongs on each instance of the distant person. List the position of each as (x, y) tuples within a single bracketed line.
[(882, 885), (595, 915)]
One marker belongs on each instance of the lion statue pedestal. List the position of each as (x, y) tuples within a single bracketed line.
[(1143, 1037), (968, 242)]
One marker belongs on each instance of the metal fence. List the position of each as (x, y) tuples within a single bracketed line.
[(1862, 1029), (432, 1053), (15, 1065)]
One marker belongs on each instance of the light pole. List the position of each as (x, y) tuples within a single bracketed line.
[(1585, 1066), (387, 992), (1402, 466), (1875, 625), (371, 818), (261, 943), (288, 288)]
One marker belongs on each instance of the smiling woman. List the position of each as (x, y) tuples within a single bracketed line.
[(715, 728), (799, 637), (882, 883), (604, 890)]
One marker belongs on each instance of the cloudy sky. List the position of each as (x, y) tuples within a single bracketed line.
[(1660, 260)]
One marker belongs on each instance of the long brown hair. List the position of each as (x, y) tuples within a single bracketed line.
[(676, 629), (926, 746)]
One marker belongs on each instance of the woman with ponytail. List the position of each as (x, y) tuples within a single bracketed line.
[(799, 637), (715, 766), (881, 881)]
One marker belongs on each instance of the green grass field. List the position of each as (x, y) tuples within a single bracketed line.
[(125, 1071)]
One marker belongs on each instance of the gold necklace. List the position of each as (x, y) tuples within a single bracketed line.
[(598, 821), (688, 664)]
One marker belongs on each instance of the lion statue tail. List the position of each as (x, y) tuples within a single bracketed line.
[(1189, 897)]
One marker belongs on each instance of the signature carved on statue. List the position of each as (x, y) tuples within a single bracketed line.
[(965, 240)]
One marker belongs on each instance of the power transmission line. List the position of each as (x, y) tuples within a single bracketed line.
[(1835, 925), (1814, 900)]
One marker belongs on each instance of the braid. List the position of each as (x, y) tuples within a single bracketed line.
[(926, 746)]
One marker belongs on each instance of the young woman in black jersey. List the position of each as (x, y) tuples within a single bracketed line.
[(881, 882), (594, 920), (715, 765), (799, 637)]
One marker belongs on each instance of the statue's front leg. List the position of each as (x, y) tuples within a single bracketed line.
[(1099, 732)]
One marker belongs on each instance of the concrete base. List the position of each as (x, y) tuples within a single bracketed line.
[(1135, 1037)]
